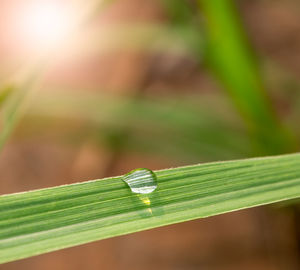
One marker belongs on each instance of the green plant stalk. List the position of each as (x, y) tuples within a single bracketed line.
[(5, 92), (40, 221), (232, 60), (14, 106)]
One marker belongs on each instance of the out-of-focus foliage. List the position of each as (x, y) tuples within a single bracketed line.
[(233, 61), (4, 93), (179, 127), (213, 32)]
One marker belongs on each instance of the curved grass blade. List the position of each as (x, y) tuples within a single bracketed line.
[(230, 56), (5, 92), (40, 221), (172, 127), (13, 108)]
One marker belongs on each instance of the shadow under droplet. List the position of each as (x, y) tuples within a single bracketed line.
[(149, 204)]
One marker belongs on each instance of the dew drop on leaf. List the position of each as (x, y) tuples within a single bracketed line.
[(141, 181)]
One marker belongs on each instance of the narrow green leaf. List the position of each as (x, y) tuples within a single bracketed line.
[(44, 220), (233, 61), (15, 104), (5, 92), (177, 126)]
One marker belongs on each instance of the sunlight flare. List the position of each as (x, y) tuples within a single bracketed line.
[(47, 24)]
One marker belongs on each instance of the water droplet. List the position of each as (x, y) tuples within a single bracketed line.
[(141, 181)]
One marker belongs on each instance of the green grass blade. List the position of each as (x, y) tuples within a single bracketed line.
[(5, 92), (44, 220), (176, 127), (233, 61), (14, 104)]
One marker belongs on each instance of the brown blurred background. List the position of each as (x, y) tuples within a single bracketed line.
[(126, 92)]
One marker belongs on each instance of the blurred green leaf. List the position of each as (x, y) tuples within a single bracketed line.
[(5, 92), (177, 127), (182, 16), (13, 108), (233, 61)]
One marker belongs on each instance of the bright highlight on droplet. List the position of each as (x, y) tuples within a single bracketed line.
[(46, 23), (141, 181)]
